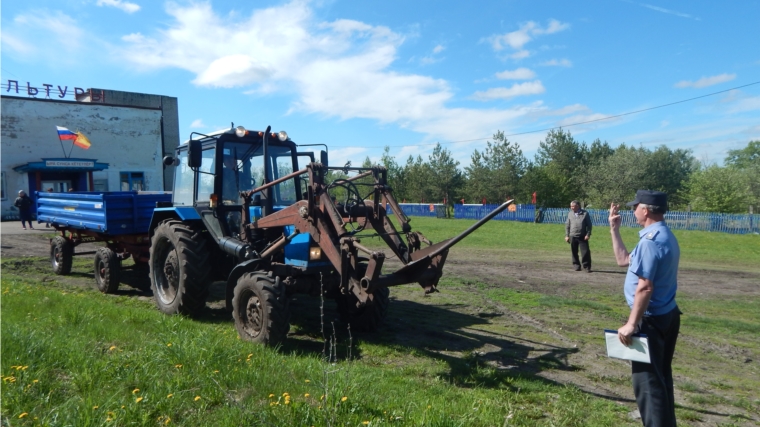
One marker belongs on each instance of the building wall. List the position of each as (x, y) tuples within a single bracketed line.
[(129, 139)]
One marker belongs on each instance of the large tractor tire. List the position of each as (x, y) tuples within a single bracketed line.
[(261, 309), (367, 318), (61, 255), (107, 270), (179, 269)]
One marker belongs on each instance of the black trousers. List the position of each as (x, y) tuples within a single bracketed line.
[(653, 383), (575, 243)]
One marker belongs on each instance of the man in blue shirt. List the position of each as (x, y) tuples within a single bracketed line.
[(650, 290)]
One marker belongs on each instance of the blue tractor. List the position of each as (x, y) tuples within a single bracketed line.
[(245, 212)]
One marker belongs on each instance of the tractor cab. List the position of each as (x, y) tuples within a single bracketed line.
[(212, 171)]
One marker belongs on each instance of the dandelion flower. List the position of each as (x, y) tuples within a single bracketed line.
[(307, 381), (197, 398), (365, 422), (35, 381), (216, 371), (344, 398), (169, 344), (285, 394), (287, 402), (271, 395), (108, 420), (135, 390), (178, 366), (112, 348), (23, 414), (95, 407), (168, 420), (250, 355), (170, 395), (139, 399), (122, 406), (306, 395)]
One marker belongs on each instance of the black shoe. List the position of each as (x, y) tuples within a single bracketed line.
[(577, 268), (588, 269)]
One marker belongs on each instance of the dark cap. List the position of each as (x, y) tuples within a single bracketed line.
[(649, 197)]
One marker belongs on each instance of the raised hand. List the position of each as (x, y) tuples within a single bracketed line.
[(615, 219)]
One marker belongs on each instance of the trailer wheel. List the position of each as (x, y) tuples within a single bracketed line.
[(261, 309), (367, 318), (61, 255), (107, 269), (179, 268)]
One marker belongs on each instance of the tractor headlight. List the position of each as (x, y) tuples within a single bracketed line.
[(240, 132), (315, 253), (282, 136)]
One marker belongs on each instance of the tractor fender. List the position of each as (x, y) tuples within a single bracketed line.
[(240, 269), (184, 214)]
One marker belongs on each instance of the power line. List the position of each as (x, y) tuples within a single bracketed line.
[(578, 123)]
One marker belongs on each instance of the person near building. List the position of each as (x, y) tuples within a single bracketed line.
[(650, 290), (577, 233), (24, 204)]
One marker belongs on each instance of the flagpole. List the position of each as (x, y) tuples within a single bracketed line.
[(62, 147), (72, 149)]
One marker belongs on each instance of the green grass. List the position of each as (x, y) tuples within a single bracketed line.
[(72, 356), (711, 250)]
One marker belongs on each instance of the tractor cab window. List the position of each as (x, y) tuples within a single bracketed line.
[(243, 170), (183, 182), (206, 177)]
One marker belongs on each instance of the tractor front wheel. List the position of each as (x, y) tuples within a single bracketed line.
[(107, 268), (179, 268), (261, 309)]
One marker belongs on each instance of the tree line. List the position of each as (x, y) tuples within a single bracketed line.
[(565, 169)]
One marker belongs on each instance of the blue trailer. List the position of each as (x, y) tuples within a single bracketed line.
[(120, 219)]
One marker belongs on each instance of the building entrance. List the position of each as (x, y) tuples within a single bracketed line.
[(58, 186)]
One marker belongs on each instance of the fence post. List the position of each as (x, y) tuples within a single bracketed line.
[(688, 216)]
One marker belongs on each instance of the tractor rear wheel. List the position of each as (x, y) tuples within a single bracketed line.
[(107, 269), (261, 309), (368, 317), (61, 255), (179, 268)]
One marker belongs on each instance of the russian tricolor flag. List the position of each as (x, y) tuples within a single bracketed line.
[(78, 138), (65, 134)]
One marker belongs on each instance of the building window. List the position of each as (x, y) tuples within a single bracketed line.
[(132, 181), (99, 185), (3, 193)]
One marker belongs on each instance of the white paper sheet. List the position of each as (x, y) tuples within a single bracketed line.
[(638, 351)]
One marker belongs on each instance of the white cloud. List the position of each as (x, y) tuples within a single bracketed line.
[(668, 11), (198, 124), (126, 6), (42, 34), (339, 69), (518, 74), (516, 40), (557, 63), (518, 89), (706, 81)]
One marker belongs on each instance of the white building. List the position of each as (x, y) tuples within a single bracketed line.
[(130, 133)]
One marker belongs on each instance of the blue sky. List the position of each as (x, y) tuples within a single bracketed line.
[(358, 76)]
